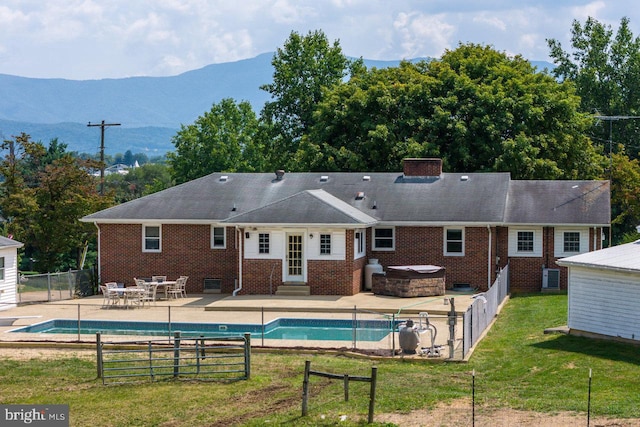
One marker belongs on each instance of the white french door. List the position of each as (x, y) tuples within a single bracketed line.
[(295, 258)]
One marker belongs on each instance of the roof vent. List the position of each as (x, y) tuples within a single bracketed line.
[(464, 178), (324, 178), (279, 174), (366, 178), (224, 178), (360, 195)]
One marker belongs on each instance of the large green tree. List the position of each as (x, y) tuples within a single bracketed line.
[(17, 192), (606, 71), (44, 193), (476, 108), (66, 192), (371, 123), (219, 140), (303, 68)]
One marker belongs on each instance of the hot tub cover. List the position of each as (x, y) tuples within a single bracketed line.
[(422, 269)]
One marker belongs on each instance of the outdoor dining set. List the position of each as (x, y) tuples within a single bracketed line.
[(144, 292)]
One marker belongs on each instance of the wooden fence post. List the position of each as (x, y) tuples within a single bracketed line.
[(99, 353), (247, 355), (372, 392), (346, 387), (305, 387)]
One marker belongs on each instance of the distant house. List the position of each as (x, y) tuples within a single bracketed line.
[(604, 292), (118, 168), (8, 272), (251, 233)]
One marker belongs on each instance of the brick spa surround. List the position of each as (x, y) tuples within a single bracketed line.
[(408, 284)]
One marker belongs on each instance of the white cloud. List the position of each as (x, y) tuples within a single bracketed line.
[(423, 35), (96, 39), (491, 21)]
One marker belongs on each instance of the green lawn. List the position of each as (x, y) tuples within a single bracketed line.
[(516, 366)]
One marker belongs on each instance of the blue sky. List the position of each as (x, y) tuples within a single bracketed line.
[(95, 39)]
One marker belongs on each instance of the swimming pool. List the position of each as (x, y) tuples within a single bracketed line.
[(280, 329)]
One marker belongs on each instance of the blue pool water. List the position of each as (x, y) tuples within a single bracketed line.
[(292, 329)]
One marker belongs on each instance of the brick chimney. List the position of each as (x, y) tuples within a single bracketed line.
[(422, 167)]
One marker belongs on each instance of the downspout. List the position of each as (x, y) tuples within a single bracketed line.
[(240, 255), (489, 258), (99, 258)]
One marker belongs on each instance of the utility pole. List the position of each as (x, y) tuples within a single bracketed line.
[(102, 126)]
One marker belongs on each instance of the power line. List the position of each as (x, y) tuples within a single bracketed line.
[(611, 119), (102, 125)]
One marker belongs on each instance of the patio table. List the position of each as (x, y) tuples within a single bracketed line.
[(163, 285), (130, 295)]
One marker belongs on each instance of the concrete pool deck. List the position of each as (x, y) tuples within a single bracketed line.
[(220, 308)]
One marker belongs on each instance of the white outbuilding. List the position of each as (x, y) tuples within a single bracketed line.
[(8, 272), (604, 292)]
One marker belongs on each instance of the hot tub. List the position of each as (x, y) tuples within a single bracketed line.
[(409, 281)]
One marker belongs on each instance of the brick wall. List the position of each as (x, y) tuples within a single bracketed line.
[(257, 276), (425, 245), (186, 251)]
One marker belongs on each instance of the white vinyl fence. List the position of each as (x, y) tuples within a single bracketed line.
[(482, 311)]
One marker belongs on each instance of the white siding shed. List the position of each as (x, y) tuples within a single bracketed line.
[(8, 272), (604, 291)]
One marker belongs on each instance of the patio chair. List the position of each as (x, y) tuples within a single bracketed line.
[(110, 293), (178, 290), (149, 294), (158, 278)]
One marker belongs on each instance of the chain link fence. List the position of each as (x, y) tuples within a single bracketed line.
[(60, 286)]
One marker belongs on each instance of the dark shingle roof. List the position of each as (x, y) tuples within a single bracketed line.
[(558, 202), (451, 198), (307, 207)]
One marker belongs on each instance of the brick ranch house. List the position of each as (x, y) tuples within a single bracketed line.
[(250, 233)]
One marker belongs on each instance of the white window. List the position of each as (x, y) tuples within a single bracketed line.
[(325, 244), (359, 243), (263, 243), (383, 239), (569, 242), (454, 241), (151, 238), (1, 268), (218, 237), (525, 242)]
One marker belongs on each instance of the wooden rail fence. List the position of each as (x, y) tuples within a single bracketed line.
[(345, 378)]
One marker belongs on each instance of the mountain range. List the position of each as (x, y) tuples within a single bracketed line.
[(149, 110)]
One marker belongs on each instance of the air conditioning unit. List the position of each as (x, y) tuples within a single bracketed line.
[(550, 278)]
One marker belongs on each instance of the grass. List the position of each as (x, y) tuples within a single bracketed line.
[(516, 366)]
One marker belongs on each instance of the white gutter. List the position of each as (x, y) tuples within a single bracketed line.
[(489, 258), (240, 255), (99, 249)]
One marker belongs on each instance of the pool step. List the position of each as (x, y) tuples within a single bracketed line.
[(293, 289)]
